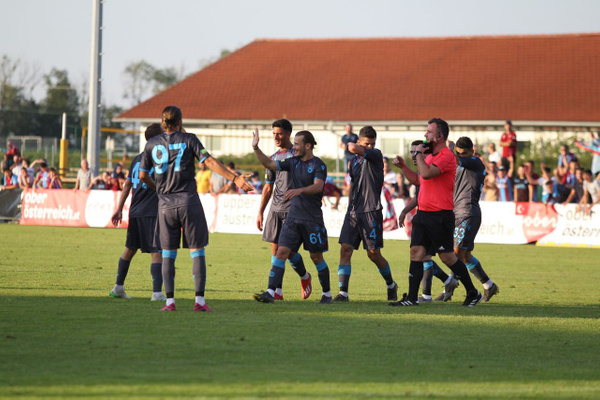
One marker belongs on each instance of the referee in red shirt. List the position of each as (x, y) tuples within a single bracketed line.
[(433, 225)]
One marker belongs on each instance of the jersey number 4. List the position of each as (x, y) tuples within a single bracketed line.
[(163, 161), (135, 176)]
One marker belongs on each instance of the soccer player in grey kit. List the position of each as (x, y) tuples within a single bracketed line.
[(304, 222), (172, 155), (364, 218), (276, 184)]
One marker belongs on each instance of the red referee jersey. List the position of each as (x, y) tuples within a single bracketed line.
[(437, 194)]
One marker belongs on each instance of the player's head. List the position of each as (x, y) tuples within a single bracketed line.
[(437, 130), (508, 126), (153, 130), (171, 119), (304, 141), (464, 147), (282, 130), (348, 128), (367, 137), (413, 150)]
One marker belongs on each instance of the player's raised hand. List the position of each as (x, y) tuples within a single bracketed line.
[(398, 162), (255, 139)]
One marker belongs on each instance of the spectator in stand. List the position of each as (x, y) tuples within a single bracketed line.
[(390, 178), (231, 187), (522, 187), (29, 169), (118, 176), (11, 152), (218, 184), (10, 181), (591, 192), (508, 141), (104, 182), (490, 189), (565, 157), (533, 178), (42, 180), (17, 165), (203, 178), (25, 181), (84, 176), (256, 182), (55, 182), (547, 194), (546, 177), (569, 178), (349, 137), (576, 193), (330, 190), (504, 181), (493, 155), (596, 158)]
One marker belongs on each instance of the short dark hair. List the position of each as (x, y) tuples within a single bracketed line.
[(52, 169), (171, 117), (153, 130), (368, 132), (416, 143), (231, 164), (283, 124), (307, 137), (442, 126), (464, 143)]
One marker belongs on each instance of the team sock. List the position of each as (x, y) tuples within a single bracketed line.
[(297, 264), (280, 284), (168, 272), (415, 275), (276, 275), (199, 272), (170, 301), (122, 270), (324, 278), (344, 272), (438, 272), (157, 280), (474, 267), (279, 291), (460, 272), (200, 300), (427, 278), (386, 273)]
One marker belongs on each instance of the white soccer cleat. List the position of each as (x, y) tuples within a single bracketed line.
[(158, 297), (118, 293)]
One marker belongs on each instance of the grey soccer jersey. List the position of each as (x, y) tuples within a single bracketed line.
[(282, 182), (144, 202), (172, 155), (304, 173), (366, 174), (470, 174)]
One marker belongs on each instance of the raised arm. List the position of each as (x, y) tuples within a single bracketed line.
[(262, 157), (216, 166)]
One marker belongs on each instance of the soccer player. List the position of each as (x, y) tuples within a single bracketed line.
[(433, 225), (172, 155), (470, 174), (142, 223), (364, 217), (276, 184), (304, 222)]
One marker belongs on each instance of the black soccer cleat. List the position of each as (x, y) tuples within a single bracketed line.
[(488, 293), (264, 297), (325, 300), (393, 293), (404, 302), (473, 298), (340, 298)]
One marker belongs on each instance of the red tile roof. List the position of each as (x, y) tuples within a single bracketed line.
[(526, 78)]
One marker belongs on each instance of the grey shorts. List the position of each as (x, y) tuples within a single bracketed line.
[(190, 220), (465, 230), (273, 225), (140, 235), (366, 227), (300, 231)]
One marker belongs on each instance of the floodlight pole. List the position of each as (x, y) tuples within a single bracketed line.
[(95, 104)]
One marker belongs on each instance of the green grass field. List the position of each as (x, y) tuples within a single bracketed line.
[(62, 336)]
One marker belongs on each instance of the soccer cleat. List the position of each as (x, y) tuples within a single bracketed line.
[(325, 300), (393, 293), (118, 293), (422, 299), (204, 308), (488, 293), (404, 302), (306, 287), (449, 289), (158, 297), (170, 307), (264, 297), (340, 298), (473, 297), (278, 296)]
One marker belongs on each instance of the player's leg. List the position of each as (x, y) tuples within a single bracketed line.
[(371, 231), (199, 274), (474, 266), (156, 273), (427, 280), (297, 264), (195, 234), (349, 241), (118, 291), (324, 278), (169, 232), (149, 243), (314, 236)]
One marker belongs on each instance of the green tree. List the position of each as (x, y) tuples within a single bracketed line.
[(60, 98)]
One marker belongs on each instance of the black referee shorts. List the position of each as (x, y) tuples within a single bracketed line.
[(434, 231)]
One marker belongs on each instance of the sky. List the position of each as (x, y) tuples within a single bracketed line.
[(187, 34)]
